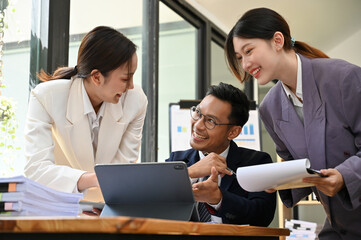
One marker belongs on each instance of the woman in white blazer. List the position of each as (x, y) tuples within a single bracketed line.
[(89, 114)]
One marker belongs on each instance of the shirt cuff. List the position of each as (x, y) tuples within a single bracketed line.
[(216, 206)]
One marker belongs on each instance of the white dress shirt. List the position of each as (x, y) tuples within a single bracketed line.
[(94, 119)]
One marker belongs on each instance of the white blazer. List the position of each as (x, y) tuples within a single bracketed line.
[(58, 145)]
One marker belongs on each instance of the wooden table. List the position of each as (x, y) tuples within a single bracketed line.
[(127, 228)]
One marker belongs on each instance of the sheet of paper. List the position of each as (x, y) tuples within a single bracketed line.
[(31, 198), (280, 175)]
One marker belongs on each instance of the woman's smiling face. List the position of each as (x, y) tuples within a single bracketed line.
[(118, 81), (257, 57)]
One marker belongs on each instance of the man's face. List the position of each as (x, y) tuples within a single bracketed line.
[(217, 139)]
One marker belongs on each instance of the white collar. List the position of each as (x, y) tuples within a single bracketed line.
[(289, 93), (223, 154), (88, 107)]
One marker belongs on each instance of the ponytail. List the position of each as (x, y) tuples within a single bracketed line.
[(308, 51), (60, 73)]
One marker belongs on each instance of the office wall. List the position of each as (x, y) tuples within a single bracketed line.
[(349, 49)]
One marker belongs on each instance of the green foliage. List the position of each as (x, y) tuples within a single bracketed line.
[(8, 126), (8, 121)]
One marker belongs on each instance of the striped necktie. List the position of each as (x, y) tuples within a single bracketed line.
[(204, 215)]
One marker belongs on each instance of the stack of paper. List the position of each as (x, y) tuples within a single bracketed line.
[(301, 230), (20, 196)]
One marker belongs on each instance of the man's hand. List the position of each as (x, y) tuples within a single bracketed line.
[(203, 167), (329, 185), (208, 190)]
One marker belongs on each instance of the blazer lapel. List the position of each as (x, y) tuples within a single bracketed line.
[(315, 122), (232, 158), (192, 157), (314, 117), (78, 128), (290, 127), (111, 132)]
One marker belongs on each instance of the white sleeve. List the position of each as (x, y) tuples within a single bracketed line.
[(39, 150)]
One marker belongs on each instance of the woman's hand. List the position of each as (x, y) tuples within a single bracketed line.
[(329, 185), (94, 212), (271, 190), (87, 180)]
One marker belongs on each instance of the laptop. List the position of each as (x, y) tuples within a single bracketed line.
[(149, 190)]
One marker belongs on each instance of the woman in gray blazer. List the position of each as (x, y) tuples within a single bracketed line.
[(312, 112), (84, 115)]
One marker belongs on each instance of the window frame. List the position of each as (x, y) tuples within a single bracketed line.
[(50, 28)]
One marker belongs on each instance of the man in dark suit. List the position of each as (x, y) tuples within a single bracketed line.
[(215, 122)]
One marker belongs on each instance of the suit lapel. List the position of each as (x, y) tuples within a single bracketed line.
[(192, 157), (314, 117), (290, 128), (78, 128), (111, 132), (315, 121), (232, 159)]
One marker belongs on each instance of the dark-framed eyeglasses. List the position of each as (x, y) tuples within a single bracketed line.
[(209, 122)]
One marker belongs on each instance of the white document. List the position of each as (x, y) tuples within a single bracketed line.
[(280, 175), (180, 128)]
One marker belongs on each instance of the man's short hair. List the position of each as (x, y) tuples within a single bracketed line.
[(236, 97)]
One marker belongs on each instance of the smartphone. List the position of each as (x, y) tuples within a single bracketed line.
[(313, 171)]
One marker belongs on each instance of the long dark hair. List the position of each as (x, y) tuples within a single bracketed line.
[(263, 23), (103, 48)]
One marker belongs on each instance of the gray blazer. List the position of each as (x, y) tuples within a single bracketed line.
[(330, 136)]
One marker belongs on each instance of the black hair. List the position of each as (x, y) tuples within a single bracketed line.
[(103, 48), (234, 96), (262, 23)]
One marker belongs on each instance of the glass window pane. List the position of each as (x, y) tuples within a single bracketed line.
[(15, 73), (219, 69), (177, 69), (125, 16)]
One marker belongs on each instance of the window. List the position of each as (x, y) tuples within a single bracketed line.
[(177, 69), (15, 69), (125, 16), (219, 69)]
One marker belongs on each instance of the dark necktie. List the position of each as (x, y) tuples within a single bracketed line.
[(204, 215)]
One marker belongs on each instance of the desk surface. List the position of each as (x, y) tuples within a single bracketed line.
[(126, 225)]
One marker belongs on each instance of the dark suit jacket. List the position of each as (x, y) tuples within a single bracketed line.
[(330, 135), (238, 206)]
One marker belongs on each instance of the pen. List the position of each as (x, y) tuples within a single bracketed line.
[(233, 173)]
